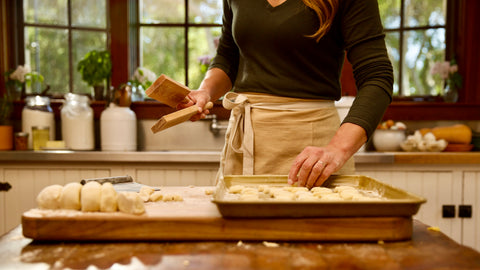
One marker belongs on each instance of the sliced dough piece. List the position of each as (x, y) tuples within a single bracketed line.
[(131, 203), (90, 196), (145, 192), (156, 196), (108, 200), (70, 197), (49, 197)]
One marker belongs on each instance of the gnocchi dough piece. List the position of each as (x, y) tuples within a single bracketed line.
[(70, 197), (296, 189), (131, 203), (236, 189), (90, 196), (321, 190), (108, 199), (331, 197), (339, 189), (172, 197), (249, 197), (249, 190), (49, 197), (156, 196), (348, 194), (145, 192)]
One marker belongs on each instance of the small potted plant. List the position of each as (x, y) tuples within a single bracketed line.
[(6, 129), (96, 68)]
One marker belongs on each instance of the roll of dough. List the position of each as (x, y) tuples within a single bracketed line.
[(70, 197), (108, 199), (49, 197), (90, 196), (131, 203)]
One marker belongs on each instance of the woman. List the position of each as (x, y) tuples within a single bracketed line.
[(282, 59)]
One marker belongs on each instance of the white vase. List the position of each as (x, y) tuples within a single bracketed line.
[(450, 94)]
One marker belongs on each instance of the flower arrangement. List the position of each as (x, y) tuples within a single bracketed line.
[(144, 77), (448, 71), (23, 75)]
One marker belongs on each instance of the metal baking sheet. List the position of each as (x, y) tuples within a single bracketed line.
[(394, 202)]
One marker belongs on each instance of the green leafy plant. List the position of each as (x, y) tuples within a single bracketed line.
[(6, 107), (95, 67)]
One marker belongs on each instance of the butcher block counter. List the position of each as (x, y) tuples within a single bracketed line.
[(427, 249)]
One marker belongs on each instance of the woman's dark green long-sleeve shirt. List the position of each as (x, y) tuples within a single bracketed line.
[(266, 49)]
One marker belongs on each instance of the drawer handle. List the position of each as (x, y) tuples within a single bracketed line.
[(465, 211), (448, 211), (5, 186)]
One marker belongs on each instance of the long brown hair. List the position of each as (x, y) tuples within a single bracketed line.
[(326, 10)]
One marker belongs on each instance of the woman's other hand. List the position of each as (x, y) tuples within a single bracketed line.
[(314, 165)]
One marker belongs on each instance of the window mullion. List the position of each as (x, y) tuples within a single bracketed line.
[(70, 53), (186, 54)]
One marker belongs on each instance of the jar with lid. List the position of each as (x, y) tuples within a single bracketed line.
[(37, 112), (77, 123), (118, 129)]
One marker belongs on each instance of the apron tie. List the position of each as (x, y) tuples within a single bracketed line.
[(241, 140)]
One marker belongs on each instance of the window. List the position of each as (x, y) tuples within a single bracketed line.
[(416, 39), (178, 37), (57, 34), (190, 30)]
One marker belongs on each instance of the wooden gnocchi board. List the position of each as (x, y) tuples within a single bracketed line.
[(197, 218)]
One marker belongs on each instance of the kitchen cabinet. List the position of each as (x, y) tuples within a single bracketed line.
[(445, 186)]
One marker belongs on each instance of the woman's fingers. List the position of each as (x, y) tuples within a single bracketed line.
[(313, 166)]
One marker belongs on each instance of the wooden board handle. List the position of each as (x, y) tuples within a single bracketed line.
[(177, 117)]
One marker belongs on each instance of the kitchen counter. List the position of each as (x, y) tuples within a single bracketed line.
[(428, 249), (214, 157), (148, 156)]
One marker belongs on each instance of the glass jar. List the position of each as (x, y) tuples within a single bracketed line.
[(40, 137), (77, 123), (37, 112)]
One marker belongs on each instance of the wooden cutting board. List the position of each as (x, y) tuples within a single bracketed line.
[(197, 218)]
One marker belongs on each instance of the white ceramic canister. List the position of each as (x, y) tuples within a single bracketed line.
[(77, 123), (118, 129), (37, 112)]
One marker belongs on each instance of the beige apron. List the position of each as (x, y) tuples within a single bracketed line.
[(265, 133)]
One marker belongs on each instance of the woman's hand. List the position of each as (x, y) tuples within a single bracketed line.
[(314, 165), (200, 98), (215, 84)]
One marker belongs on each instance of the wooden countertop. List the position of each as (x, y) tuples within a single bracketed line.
[(428, 249), (437, 158)]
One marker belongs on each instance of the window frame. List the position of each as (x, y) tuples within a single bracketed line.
[(69, 27), (124, 56)]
